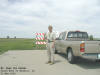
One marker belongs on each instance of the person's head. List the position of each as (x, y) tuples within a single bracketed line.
[(50, 28)]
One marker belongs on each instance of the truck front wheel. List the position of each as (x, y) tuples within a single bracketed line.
[(70, 57)]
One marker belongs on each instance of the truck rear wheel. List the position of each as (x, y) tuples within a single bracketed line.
[(70, 56)]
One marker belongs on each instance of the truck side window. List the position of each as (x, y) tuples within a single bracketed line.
[(61, 35), (64, 35)]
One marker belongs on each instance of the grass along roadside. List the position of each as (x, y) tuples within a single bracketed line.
[(19, 44)]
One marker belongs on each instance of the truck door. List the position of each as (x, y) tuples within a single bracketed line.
[(62, 42), (58, 42)]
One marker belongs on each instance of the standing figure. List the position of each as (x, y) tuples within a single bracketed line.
[(50, 36)]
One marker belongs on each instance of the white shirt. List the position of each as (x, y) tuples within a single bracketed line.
[(51, 36)]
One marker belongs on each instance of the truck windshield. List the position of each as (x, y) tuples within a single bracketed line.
[(77, 35)]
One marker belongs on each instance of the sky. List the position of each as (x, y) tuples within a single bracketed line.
[(23, 18)]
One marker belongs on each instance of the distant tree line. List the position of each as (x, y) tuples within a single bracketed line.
[(91, 37), (8, 37)]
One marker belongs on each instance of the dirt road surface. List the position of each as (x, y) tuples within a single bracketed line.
[(33, 62)]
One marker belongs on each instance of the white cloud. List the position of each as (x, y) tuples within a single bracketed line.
[(23, 17)]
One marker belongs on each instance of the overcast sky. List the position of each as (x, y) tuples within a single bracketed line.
[(22, 18)]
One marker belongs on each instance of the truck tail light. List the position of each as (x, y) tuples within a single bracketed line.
[(82, 47)]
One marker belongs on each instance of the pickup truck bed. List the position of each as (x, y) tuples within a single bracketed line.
[(77, 46)]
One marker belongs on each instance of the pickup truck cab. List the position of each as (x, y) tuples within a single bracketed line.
[(77, 44)]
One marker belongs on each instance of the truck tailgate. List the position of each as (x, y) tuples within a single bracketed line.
[(92, 46)]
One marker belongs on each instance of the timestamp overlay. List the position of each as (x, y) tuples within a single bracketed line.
[(15, 70)]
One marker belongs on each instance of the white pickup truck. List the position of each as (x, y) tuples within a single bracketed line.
[(76, 44)]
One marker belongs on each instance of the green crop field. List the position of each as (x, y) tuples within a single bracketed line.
[(19, 44)]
